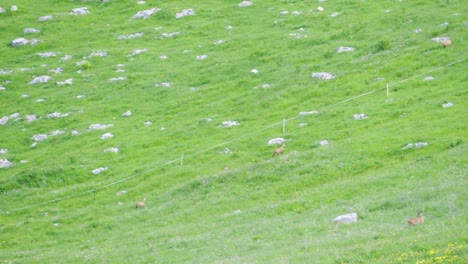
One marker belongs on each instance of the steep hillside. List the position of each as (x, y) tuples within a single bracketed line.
[(104, 103)]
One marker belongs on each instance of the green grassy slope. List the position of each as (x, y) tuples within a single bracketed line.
[(262, 209)]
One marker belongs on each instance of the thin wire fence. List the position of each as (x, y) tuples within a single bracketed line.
[(225, 142)]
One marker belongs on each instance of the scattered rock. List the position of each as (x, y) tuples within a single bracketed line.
[(429, 78), (79, 11), (66, 82), (146, 13), (447, 105), (2, 10), (323, 75), (45, 18), (107, 136), (360, 116), (275, 141), (254, 71), (184, 13), (56, 115), (416, 145), (112, 149), (229, 124), (30, 118), (56, 70), (345, 49), (31, 30), (22, 41), (335, 14), (40, 137), (117, 79), (121, 193), (131, 36), (40, 79), (4, 163), (99, 53), (56, 132), (99, 126), (3, 151), (126, 114), (163, 84), (169, 35), (137, 51), (324, 142), (5, 71), (13, 8), (347, 218), (66, 57), (320, 9), (245, 4), (444, 24), (226, 151), (4, 120), (202, 57), (148, 123), (46, 54), (99, 170)]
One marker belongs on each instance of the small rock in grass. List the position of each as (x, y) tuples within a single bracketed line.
[(99, 126), (99, 170), (112, 149), (45, 18), (127, 113), (345, 49), (146, 13), (79, 11), (415, 145), (107, 136), (40, 79), (245, 4), (4, 163), (360, 116), (347, 218), (66, 82), (31, 30), (447, 105), (275, 141), (324, 142), (184, 13), (323, 75), (229, 124)]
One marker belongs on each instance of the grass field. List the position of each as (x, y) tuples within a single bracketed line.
[(214, 193)]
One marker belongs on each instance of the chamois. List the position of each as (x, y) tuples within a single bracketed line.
[(279, 150), (446, 43), (141, 203), (417, 220)]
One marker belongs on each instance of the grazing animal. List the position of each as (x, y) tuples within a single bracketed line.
[(279, 150), (417, 220), (446, 43), (141, 203)]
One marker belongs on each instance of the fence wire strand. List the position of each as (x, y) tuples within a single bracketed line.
[(224, 143)]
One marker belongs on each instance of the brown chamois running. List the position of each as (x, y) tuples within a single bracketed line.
[(417, 220), (141, 203), (279, 150)]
